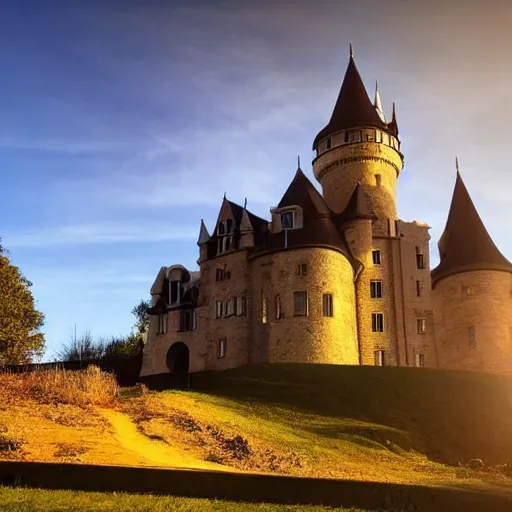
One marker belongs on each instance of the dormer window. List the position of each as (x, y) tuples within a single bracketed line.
[(174, 292), (221, 228), (225, 236), (287, 220), (229, 225)]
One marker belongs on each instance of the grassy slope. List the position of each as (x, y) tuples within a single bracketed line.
[(26, 500), (365, 423)]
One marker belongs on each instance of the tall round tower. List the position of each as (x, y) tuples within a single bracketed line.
[(471, 293), (358, 146)]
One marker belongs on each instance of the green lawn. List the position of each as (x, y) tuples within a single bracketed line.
[(35, 500)]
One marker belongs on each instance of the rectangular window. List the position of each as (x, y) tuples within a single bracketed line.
[(421, 325), (354, 136), (370, 135), (220, 274), (327, 304), (419, 360), (385, 138), (240, 306), (221, 348), (230, 307), (379, 358), (277, 307), (219, 307), (174, 292), (287, 220), (378, 180), (264, 310), (329, 143), (377, 322), (228, 243), (300, 303), (188, 320), (376, 257), (420, 262), (376, 289), (418, 288), (302, 269), (472, 337), (378, 136), (162, 323)]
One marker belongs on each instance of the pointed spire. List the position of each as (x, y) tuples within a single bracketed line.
[(353, 107), (224, 195), (393, 125), (351, 51), (246, 224), (465, 244), (204, 236), (377, 103), (245, 203)]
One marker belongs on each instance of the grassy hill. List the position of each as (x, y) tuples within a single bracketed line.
[(402, 425)]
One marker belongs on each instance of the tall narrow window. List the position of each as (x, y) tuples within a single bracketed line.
[(420, 262), (277, 307), (187, 320), (162, 323), (472, 337), (240, 306), (378, 136), (230, 307), (287, 220), (302, 269), (376, 258), (221, 348), (418, 288), (219, 307), (229, 225), (174, 292), (379, 358), (327, 304), (421, 325), (377, 322), (300, 303), (376, 289), (220, 228), (329, 143), (264, 310), (419, 360)]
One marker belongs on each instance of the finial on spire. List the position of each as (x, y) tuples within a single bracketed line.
[(351, 51), (224, 194), (457, 164), (298, 162), (245, 203), (378, 104)]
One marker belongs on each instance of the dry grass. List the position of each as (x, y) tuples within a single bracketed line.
[(89, 387)]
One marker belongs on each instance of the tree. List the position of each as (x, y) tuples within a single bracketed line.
[(20, 339), (141, 314)]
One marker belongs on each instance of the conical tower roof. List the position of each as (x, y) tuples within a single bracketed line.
[(302, 192), (358, 206), (465, 244), (353, 107)]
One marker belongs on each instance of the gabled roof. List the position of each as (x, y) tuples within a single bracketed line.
[(465, 244), (303, 193), (353, 107)]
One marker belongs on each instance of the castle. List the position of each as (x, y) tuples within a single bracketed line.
[(337, 277)]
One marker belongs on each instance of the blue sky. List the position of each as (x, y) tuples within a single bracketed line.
[(123, 123)]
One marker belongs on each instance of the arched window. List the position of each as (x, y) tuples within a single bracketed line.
[(277, 307), (220, 228)]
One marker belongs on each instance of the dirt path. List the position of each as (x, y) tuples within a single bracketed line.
[(157, 453)]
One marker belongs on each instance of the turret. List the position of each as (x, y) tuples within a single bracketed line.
[(202, 241), (471, 293), (358, 145)]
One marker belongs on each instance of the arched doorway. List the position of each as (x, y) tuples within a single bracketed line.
[(178, 358)]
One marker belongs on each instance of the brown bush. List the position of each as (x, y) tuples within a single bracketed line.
[(77, 387)]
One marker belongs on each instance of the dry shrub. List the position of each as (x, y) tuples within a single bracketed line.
[(77, 387)]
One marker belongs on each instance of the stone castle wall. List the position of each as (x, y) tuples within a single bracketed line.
[(313, 338), (473, 315), (340, 168)]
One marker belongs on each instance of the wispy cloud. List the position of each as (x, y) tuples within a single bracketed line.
[(84, 234)]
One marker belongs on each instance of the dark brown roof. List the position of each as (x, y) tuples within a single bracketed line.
[(358, 206), (319, 222), (353, 107), (465, 244), (303, 193)]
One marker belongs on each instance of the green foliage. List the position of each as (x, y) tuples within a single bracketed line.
[(141, 314), (86, 348), (20, 339)]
